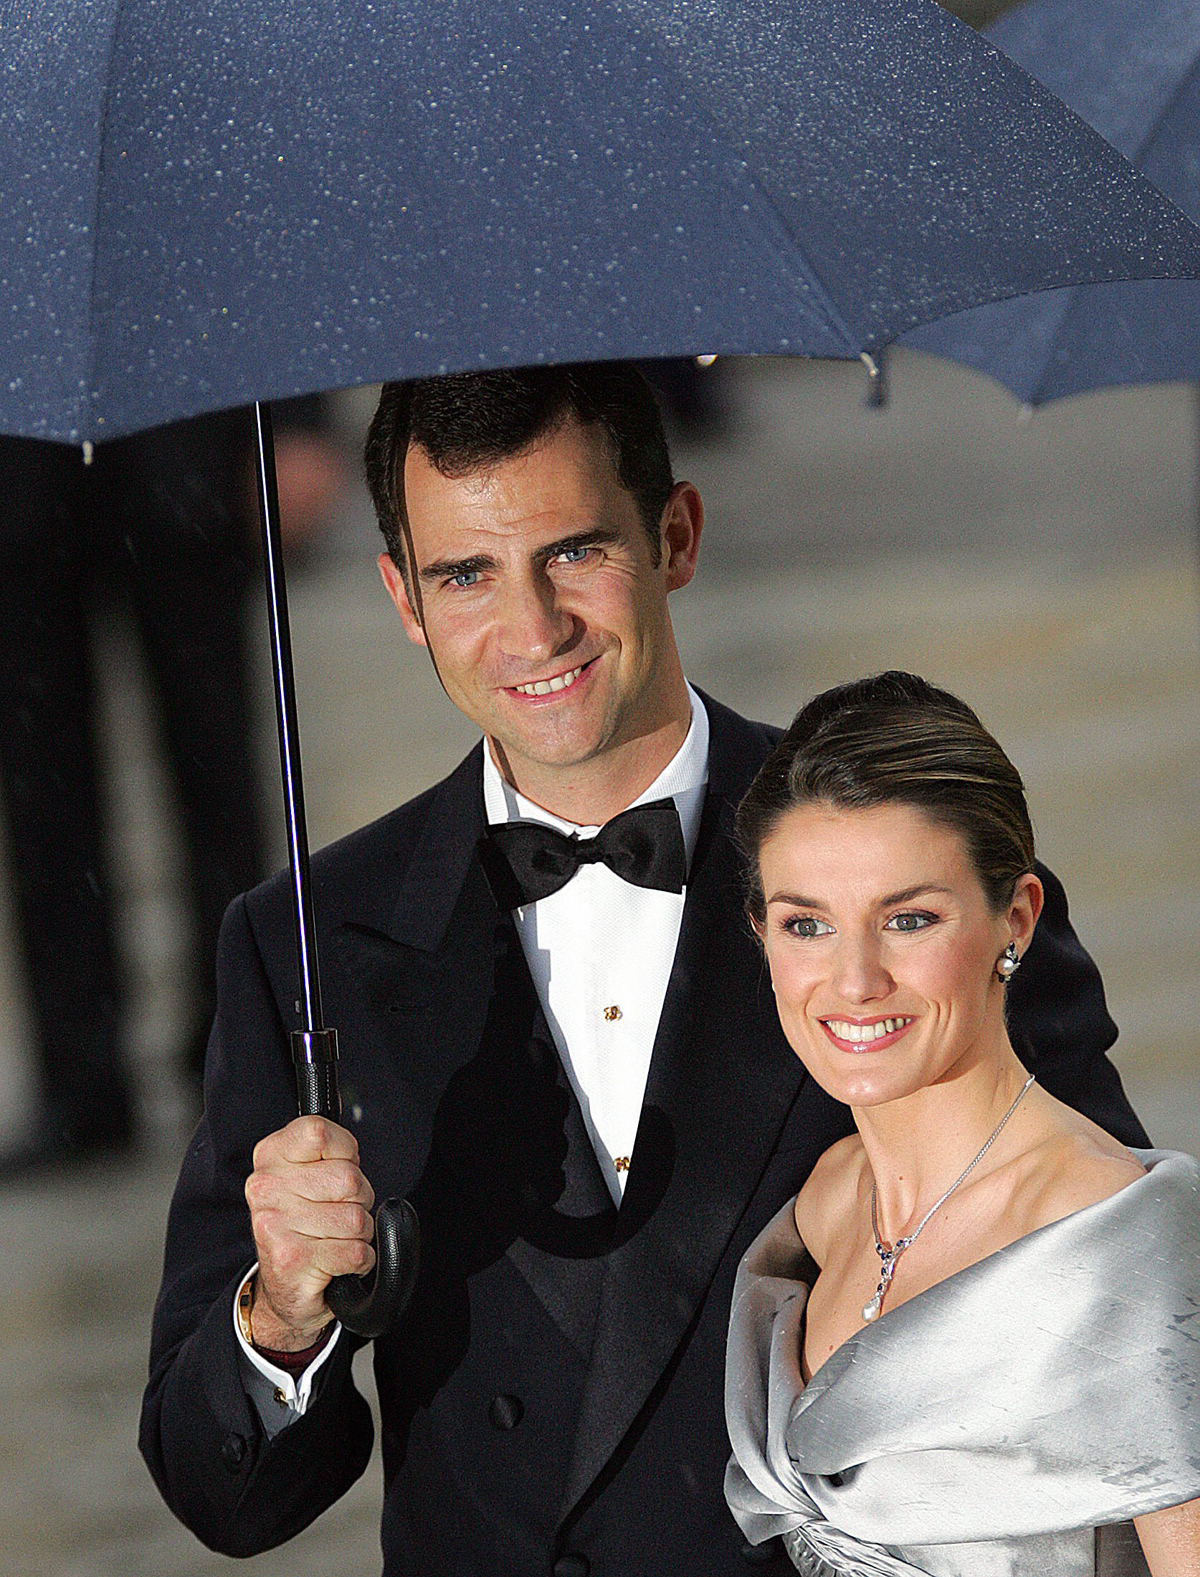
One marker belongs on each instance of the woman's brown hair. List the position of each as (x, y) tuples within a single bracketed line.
[(895, 739)]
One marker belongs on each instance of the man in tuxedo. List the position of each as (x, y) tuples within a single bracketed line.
[(558, 1040)]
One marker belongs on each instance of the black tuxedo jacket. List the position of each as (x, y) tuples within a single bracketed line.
[(552, 1401)]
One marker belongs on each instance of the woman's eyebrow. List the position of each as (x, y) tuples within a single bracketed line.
[(907, 894)]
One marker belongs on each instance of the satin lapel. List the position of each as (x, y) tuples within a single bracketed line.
[(562, 1255), (417, 959), (426, 959), (722, 1082), (445, 853), (559, 1253)]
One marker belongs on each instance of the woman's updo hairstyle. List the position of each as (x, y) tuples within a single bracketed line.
[(895, 739)]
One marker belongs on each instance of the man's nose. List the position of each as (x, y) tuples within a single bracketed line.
[(534, 624)]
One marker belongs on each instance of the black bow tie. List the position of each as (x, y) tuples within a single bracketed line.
[(526, 860)]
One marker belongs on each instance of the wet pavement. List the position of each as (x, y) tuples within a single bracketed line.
[(1046, 570)]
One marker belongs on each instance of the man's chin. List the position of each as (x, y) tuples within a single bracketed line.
[(550, 747), (555, 738), (545, 755)]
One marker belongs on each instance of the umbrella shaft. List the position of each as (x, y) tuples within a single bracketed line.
[(285, 713)]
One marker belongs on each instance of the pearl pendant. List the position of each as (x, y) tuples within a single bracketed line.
[(871, 1310)]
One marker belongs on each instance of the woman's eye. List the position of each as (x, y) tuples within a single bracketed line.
[(910, 921), (807, 925)]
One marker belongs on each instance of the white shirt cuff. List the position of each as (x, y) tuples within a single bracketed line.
[(279, 1398)]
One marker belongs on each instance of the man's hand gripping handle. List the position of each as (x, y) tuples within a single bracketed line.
[(366, 1305)]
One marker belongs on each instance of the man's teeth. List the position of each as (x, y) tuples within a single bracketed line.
[(546, 686), (845, 1031)]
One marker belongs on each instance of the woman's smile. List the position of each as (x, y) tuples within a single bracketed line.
[(857, 1035)]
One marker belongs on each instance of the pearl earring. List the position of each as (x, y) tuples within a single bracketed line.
[(1010, 961)]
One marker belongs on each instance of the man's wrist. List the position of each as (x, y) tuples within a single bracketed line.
[(276, 1341)]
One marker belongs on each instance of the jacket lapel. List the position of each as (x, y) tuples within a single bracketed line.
[(426, 982), (430, 958), (561, 1255), (722, 1082)]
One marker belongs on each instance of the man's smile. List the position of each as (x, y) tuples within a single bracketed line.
[(535, 689)]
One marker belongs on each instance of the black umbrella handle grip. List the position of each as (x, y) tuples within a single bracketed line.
[(366, 1305)]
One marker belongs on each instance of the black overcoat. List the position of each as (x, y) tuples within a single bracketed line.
[(552, 1402)]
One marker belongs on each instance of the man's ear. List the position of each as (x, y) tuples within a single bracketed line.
[(398, 592), (679, 533)]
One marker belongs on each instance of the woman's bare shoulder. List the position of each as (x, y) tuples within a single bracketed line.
[(830, 1193), (1075, 1165)]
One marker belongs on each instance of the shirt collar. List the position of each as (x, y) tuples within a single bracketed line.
[(683, 779)]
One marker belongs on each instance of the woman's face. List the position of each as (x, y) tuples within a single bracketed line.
[(883, 948)]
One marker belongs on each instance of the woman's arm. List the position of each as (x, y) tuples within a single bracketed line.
[(1170, 1540)]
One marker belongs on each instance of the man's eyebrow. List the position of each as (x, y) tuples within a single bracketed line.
[(446, 569), (599, 536)]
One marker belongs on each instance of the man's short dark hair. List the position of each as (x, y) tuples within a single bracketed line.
[(468, 421)]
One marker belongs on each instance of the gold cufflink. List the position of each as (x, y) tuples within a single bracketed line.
[(612, 1014)]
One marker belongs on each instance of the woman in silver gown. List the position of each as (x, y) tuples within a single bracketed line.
[(971, 1348)]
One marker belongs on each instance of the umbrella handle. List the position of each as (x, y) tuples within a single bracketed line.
[(366, 1305)]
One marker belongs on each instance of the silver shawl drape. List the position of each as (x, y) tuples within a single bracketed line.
[(989, 1426)]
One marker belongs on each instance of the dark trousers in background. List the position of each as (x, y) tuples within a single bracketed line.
[(158, 521)]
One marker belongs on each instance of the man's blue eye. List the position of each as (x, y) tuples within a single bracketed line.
[(468, 577), (574, 555)]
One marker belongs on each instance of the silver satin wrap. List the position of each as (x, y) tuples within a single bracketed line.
[(1008, 1422)]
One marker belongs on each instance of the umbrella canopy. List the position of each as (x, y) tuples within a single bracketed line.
[(1131, 68), (212, 204)]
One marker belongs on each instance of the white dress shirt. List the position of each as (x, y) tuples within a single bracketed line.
[(600, 951), (279, 1398)]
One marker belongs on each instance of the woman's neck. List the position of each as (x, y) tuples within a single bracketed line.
[(918, 1146)]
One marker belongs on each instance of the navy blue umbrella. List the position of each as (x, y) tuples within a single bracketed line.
[(204, 205), (1131, 68), (211, 205)]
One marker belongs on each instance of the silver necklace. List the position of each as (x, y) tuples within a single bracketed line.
[(889, 1256)]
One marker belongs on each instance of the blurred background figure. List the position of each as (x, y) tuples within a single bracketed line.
[(161, 526), (310, 473), (695, 395), (158, 523)]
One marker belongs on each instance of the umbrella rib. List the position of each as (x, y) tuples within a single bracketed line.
[(88, 397), (739, 174), (1037, 394), (1165, 113), (833, 318)]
